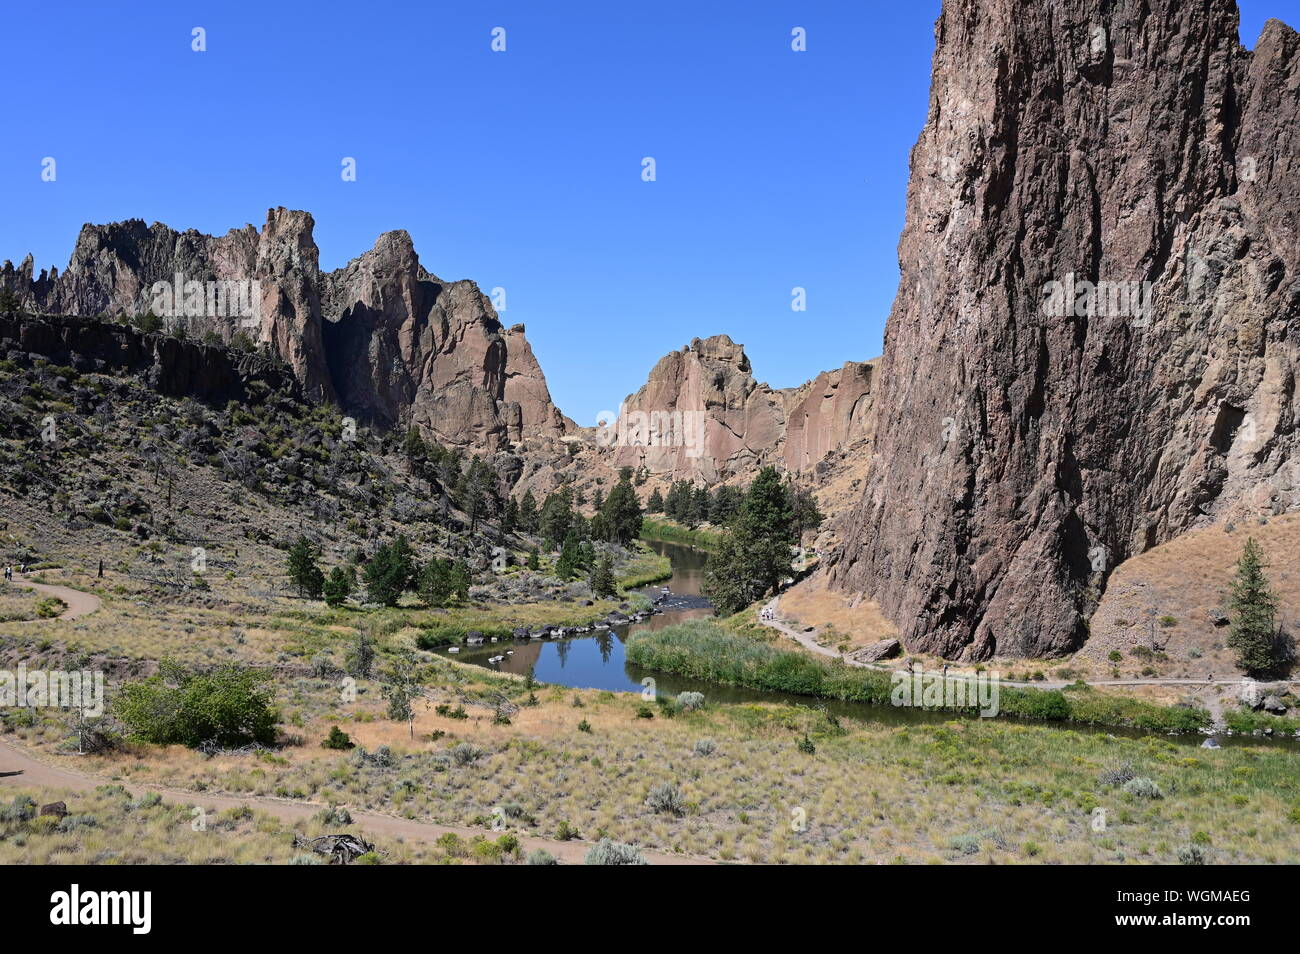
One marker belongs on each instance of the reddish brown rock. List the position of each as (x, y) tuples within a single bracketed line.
[(1021, 454), (702, 415), (391, 343), (828, 412)]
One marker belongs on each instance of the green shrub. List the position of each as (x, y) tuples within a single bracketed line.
[(665, 799), (337, 739), (228, 707), (1142, 787), (688, 702), (50, 607)]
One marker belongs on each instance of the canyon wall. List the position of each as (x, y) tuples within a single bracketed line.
[(703, 416), (388, 341), (1031, 436)]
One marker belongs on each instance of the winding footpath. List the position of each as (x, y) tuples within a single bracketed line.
[(808, 642), (19, 767), (80, 603)]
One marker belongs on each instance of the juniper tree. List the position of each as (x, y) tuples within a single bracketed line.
[(1254, 610)]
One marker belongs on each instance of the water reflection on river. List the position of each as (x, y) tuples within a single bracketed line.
[(596, 660)]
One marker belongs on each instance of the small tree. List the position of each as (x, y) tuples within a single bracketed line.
[(391, 572), (435, 582), (602, 577), (337, 739), (361, 658), (303, 571), (401, 687), (338, 587), (566, 567), (229, 706), (1254, 608)]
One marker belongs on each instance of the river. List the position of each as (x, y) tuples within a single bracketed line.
[(597, 661)]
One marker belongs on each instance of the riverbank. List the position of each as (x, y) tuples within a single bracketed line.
[(670, 532), (701, 649)]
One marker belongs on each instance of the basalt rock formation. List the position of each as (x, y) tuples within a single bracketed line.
[(702, 416), (169, 365), (393, 344), (1023, 449)]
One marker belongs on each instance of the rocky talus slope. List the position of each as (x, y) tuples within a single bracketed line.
[(1024, 449)]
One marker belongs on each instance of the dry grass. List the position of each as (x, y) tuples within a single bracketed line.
[(871, 793), (842, 620), (1170, 591), (110, 826), (16, 603)]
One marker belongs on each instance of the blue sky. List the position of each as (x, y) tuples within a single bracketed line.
[(521, 169)]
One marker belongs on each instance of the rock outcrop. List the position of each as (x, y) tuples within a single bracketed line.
[(1031, 436), (171, 366), (391, 343), (703, 416), (829, 412)]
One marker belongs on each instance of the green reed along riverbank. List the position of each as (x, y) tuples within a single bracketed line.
[(701, 649), (670, 532)]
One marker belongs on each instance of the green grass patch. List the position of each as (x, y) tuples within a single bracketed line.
[(670, 531), (701, 649)]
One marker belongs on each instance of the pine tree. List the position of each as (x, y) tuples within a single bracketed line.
[(436, 586), (556, 517), (656, 502), (528, 513), (303, 571), (510, 517), (414, 448), (391, 572), (755, 554), (1254, 609), (566, 568), (460, 579), (602, 577), (622, 511), (338, 587)]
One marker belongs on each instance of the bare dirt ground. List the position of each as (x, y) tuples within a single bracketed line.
[(1174, 593), (79, 603), (840, 620)]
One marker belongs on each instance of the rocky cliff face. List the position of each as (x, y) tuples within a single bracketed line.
[(1034, 435), (169, 365), (702, 415), (387, 340), (830, 412)]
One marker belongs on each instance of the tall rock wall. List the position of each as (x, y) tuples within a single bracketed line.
[(1024, 448), (391, 343), (725, 424)]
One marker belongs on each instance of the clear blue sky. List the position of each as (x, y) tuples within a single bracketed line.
[(519, 169)]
